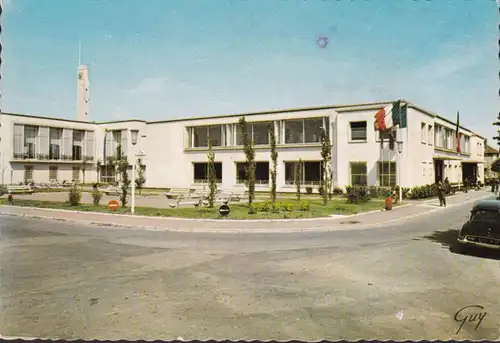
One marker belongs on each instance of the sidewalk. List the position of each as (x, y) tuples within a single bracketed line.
[(360, 221)]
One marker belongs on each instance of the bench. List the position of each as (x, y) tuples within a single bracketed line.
[(19, 189), (113, 190), (238, 195), (182, 200), (172, 193)]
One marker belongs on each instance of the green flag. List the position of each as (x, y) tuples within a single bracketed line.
[(403, 116)]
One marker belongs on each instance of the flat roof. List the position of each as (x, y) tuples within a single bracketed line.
[(339, 108)]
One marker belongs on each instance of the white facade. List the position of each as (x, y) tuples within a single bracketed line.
[(176, 150)]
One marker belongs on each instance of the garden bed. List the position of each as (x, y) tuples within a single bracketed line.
[(287, 210)]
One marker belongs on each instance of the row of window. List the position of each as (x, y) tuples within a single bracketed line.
[(293, 131), (53, 173), (311, 173), (44, 143), (443, 137)]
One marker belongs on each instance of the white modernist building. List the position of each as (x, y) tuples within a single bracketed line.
[(41, 149)]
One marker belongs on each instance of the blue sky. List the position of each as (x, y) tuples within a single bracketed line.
[(163, 59)]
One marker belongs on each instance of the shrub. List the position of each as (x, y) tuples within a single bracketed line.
[(74, 196), (96, 197), (287, 206), (338, 191), (357, 194), (422, 192), (305, 205), (252, 210), (263, 206), (309, 190), (275, 208)]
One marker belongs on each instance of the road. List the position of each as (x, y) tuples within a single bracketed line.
[(67, 281)]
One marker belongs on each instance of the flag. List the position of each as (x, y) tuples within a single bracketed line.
[(388, 117), (458, 136), (403, 116)]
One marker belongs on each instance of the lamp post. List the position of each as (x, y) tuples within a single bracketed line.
[(400, 150), (135, 136)]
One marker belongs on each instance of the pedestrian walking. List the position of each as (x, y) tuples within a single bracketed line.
[(466, 185), (447, 186), (496, 183), (440, 193)]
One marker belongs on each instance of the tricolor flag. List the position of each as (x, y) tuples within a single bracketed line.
[(390, 116), (458, 136)]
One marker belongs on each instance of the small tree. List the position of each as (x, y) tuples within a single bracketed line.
[(83, 168), (122, 164), (326, 155), (298, 177), (495, 166), (140, 180), (497, 124), (274, 161), (74, 196), (98, 167), (250, 160), (211, 174)]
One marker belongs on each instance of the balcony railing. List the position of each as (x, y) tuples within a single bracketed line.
[(51, 157)]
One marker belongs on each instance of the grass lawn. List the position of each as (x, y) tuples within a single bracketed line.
[(238, 210)]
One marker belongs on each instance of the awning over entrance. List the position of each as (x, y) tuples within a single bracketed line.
[(446, 158), (472, 162)]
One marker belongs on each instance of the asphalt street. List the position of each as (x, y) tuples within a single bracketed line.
[(67, 281)]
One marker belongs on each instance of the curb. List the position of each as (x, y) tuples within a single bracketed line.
[(331, 217), (375, 211)]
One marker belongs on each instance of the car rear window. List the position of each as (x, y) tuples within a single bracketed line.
[(489, 216)]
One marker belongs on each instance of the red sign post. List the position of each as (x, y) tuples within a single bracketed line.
[(113, 205)]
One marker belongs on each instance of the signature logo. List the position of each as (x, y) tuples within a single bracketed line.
[(471, 314)]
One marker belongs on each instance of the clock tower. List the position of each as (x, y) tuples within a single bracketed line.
[(83, 93)]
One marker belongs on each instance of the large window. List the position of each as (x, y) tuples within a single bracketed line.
[(387, 174), (52, 173), (55, 144), (261, 172), (200, 170), (437, 135), (309, 130), (423, 133), (78, 137), (30, 134), (429, 134), (258, 133), (311, 172), (198, 136), (359, 172), (358, 131)]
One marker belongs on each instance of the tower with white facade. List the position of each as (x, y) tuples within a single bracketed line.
[(83, 93)]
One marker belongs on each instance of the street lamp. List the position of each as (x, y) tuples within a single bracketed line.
[(400, 150), (134, 139)]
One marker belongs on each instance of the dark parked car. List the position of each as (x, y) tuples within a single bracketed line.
[(483, 227)]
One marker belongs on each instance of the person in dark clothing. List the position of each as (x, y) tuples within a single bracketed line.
[(440, 193), (447, 186), (466, 185)]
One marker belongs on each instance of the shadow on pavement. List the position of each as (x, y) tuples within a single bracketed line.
[(448, 240)]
